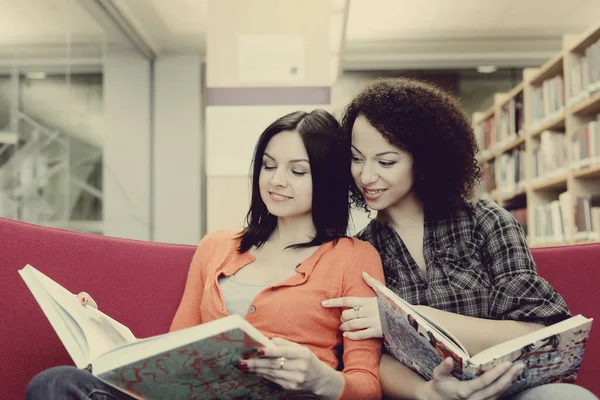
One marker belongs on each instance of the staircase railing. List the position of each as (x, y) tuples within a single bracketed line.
[(44, 174)]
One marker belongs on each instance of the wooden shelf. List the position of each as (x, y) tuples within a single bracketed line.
[(587, 173), (486, 115), (507, 147), (574, 179), (553, 67), (587, 39), (554, 183), (488, 157), (511, 196), (584, 242), (512, 94), (589, 107), (515, 143), (534, 245), (555, 123)]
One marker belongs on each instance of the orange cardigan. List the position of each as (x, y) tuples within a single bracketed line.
[(292, 309)]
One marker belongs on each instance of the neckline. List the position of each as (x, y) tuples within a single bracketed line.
[(410, 261), (306, 266)]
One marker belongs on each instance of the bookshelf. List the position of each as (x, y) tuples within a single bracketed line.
[(540, 146)]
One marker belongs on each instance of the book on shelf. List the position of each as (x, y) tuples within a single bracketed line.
[(520, 215), (510, 120), (551, 354), (548, 100), (585, 144), (550, 154), (584, 76), (485, 134), (550, 221), (197, 362), (488, 177), (587, 217), (510, 171)]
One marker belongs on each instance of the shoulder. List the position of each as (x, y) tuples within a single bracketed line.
[(352, 254), (221, 239), (353, 246), (475, 222), (490, 216)]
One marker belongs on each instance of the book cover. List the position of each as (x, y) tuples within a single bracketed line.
[(198, 370), (198, 362), (550, 359), (551, 355)]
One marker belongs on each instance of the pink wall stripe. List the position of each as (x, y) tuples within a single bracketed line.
[(269, 96)]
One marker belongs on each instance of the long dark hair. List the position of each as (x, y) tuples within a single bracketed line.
[(330, 170)]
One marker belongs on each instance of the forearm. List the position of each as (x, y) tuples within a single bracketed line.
[(478, 334), (398, 381), (331, 387)]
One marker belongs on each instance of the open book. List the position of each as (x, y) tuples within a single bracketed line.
[(552, 354), (197, 362)]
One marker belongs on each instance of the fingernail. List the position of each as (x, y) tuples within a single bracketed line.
[(260, 352), (242, 365), (245, 356), (344, 334), (324, 302)]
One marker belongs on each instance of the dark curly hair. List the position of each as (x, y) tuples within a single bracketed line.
[(429, 124)]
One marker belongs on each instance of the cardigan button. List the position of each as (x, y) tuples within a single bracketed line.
[(252, 309)]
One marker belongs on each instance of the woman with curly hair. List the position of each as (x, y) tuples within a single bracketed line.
[(464, 262)]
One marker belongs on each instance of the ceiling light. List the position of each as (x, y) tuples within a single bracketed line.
[(486, 69), (35, 75)]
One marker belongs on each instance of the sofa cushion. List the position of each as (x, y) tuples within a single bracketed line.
[(138, 283), (574, 273)]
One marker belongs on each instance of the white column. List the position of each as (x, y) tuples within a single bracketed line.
[(127, 190), (178, 151)]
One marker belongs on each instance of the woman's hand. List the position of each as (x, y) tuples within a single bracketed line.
[(295, 367), (86, 300), (361, 319), (488, 386)]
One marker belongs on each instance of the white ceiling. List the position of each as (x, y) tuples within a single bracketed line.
[(387, 20), (46, 22), (381, 34), (170, 25)]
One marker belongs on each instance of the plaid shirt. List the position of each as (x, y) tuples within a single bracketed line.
[(478, 264)]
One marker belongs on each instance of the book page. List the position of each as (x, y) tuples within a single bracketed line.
[(94, 331), (67, 329), (550, 355), (413, 341)]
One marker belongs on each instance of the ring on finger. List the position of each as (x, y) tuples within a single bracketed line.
[(282, 361)]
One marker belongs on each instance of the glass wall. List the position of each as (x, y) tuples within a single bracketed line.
[(51, 121)]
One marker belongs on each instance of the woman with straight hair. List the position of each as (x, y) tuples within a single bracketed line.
[(292, 255)]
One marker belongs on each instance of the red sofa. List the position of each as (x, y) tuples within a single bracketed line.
[(140, 284)]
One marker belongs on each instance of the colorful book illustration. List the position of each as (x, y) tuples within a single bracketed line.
[(193, 363), (552, 354)]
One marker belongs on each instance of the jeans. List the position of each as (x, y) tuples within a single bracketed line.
[(556, 391), (70, 383)]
